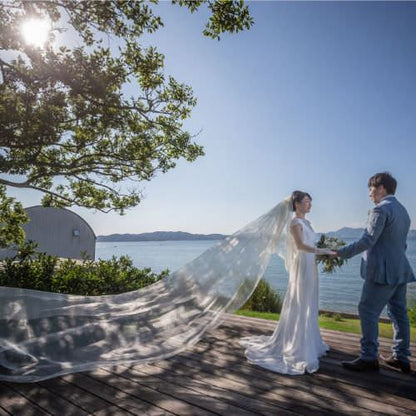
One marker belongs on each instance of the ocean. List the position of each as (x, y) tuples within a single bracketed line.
[(339, 291)]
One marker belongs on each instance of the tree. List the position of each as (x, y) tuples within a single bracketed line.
[(67, 127), (12, 216)]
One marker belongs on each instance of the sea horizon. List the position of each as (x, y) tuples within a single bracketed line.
[(339, 291), (344, 232)]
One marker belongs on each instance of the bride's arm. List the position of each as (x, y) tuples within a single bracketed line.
[(296, 230)]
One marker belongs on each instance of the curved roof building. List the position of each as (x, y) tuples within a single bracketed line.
[(58, 232)]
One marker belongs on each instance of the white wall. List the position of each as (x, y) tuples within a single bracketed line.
[(59, 232)]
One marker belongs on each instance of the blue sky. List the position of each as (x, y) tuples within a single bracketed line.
[(317, 96)]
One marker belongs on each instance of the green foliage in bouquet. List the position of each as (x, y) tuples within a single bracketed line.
[(329, 264), (48, 273), (264, 299)]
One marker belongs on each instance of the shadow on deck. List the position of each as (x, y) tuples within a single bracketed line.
[(213, 378)]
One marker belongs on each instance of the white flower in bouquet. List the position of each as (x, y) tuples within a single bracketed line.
[(329, 264)]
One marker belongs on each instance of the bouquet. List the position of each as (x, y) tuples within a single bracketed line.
[(329, 263)]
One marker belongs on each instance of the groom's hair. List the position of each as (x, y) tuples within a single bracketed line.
[(297, 196), (385, 179)]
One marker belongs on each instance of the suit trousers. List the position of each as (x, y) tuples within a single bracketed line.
[(374, 298)]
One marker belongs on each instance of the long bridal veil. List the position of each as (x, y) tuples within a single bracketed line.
[(44, 335)]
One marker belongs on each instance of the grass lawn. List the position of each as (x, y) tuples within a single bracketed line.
[(335, 322)]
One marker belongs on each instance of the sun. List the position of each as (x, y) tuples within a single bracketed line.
[(35, 31)]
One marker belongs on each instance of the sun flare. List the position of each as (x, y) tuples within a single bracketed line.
[(36, 31)]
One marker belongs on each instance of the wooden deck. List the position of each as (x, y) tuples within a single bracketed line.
[(213, 378)]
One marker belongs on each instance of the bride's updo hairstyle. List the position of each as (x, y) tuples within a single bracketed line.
[(297, 196)]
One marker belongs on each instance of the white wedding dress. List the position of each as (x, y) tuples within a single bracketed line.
[(296, 344)]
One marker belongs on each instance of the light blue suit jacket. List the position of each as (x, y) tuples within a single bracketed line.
[(384, 241)]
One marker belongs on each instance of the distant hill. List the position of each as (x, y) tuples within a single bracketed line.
[(348, 232), (160, 236)]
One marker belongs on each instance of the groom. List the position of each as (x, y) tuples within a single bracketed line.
[(386, 271)]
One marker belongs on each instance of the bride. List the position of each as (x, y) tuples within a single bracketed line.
[(296, 344), (45, 335)]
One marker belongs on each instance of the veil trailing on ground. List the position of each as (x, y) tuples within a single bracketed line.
[(44, 335)]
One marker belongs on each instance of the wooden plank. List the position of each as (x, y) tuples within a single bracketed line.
[(245, 394), (3, 412), (240, 367), (236, 323), (389, 376), (306, 395), (165, 393), (336, 338), (16, 404), (236, 402), (115, 411), (87, 401), (347, 347), (214, 378), (344, 354), (402, 386), (46, 399), (110, 391), (334, 358)]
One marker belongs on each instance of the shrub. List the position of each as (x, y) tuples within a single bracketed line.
[(264, 299), (412, 315), (48, 273)]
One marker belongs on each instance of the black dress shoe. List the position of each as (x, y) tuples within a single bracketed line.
[(392, 361), (361, 365)]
